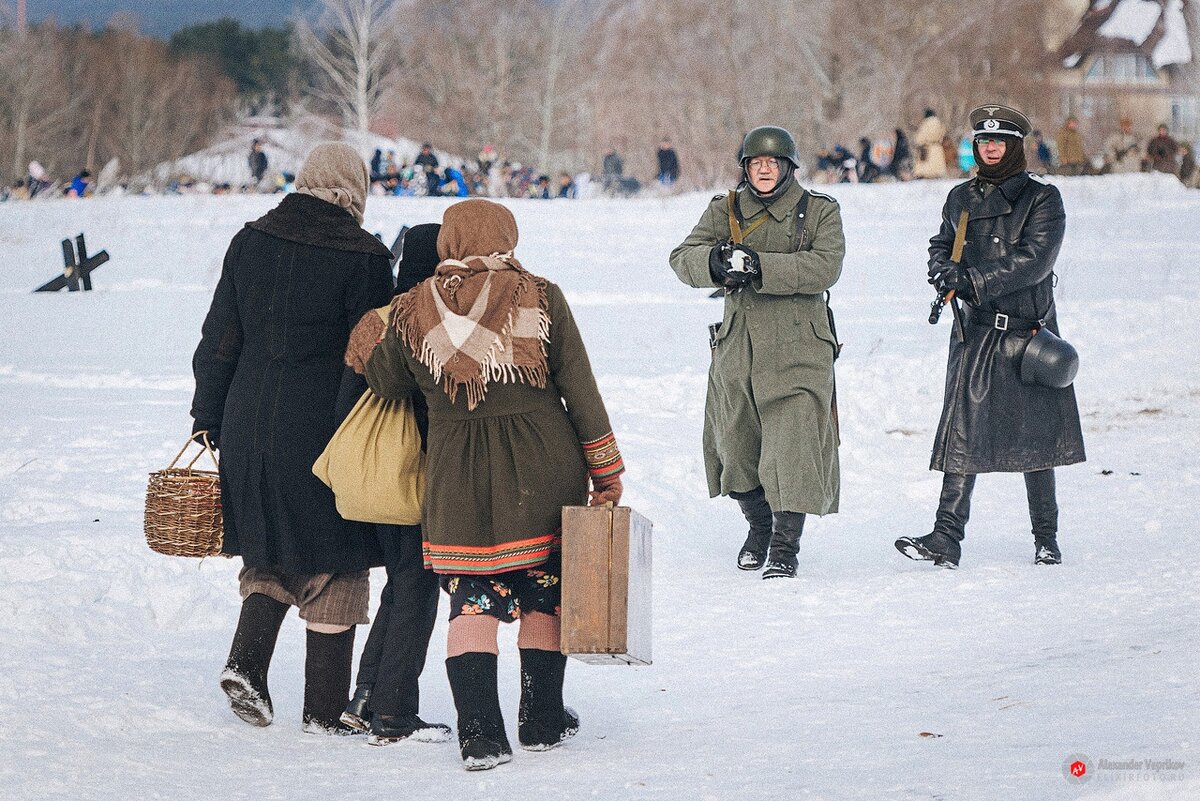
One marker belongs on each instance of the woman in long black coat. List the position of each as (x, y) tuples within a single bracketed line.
[(268, 370)]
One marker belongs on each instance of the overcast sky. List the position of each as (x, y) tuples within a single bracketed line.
[(162, 17)]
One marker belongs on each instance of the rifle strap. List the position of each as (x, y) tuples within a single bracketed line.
[(736, 234), (960, 237)]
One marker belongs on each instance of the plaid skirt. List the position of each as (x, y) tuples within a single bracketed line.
[(336, 599)]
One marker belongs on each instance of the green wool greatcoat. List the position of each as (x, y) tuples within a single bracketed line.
[(769, 418)]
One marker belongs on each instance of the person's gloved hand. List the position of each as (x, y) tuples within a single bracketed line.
[(733, 266), (605, 491), (213, 435), (363, 339), (936, 269), (955, 278)]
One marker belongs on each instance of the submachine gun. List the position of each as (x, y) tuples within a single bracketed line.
[(935, 308)]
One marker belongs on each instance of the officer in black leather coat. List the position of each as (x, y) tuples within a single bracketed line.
[(991, 421)]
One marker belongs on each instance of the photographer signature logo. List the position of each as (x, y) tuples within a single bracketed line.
[(1075, 769), (1081, 769)]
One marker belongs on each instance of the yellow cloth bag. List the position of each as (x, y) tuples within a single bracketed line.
[(374, 463)]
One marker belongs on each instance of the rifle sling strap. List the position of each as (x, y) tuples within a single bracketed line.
[(960, 237), (736, 234)]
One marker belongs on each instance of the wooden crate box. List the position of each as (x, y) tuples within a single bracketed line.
[(606, 572)]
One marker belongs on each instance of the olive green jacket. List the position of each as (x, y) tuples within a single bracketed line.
[(769, 417)]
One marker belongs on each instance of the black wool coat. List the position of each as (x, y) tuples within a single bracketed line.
[(268, 370), (991, 422)]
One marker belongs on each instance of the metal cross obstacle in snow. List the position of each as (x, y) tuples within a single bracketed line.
[(77, 271)]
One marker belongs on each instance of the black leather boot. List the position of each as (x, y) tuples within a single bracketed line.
[(941, 546), (543, 722), (387, 729), (357, 714), (481, 737), (244, 678), (758, 514), (785, 543), (327, 666), (1043, 515)]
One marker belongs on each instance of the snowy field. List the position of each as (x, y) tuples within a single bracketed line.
[(817, 688)]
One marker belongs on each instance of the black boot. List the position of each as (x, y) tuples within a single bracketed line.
[(327, 659), (481, 738), (543, 722), (388, 729), (785, 543), (941, 546), (758, 514), (244, 678), (357, 714), (1043, 515)]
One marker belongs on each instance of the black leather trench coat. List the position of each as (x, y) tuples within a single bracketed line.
[(991, 421), (268, 369)]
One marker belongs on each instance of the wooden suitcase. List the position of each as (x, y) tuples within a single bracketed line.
[(606, 572)]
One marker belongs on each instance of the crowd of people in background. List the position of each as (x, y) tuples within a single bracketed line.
[(492, 176), (932, 152)]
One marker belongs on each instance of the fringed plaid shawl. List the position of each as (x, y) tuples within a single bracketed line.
[(480, 319)]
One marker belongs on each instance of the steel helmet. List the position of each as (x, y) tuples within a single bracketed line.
[(1049, 361), (769, 140)]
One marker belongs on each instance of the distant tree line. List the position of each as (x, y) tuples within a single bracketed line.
[(75, 99), (261, 63), (548, 84)]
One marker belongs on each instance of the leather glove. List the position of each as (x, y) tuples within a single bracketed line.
[(363, 339), (213, 434), (605, 491), (733, 266), (955, 278)]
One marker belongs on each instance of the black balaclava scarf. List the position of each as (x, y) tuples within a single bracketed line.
[(1011, 163), (418, 256), (787, 174)]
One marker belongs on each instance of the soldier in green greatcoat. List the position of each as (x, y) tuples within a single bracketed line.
[(770, 421)]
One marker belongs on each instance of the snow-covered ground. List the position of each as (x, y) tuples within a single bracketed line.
[(817, 688)]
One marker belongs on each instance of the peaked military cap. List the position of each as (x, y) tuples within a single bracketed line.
[(998, 120)]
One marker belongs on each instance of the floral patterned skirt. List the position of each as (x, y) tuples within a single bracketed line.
[(506, 595)]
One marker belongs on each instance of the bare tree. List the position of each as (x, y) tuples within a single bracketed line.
[(154, 108), (352, 49), (70, 98), (31, 103)]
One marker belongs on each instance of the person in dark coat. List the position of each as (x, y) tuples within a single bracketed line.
[(1161, 152), (257, 161), (386, 697), (612, 169), (428, 162), (377, 172), (268, 370), (991, 421), (901, 166), (668, 163)]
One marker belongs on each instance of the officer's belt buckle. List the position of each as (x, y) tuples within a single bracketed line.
[(1001, 323)]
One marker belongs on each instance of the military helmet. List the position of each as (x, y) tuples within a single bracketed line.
[(1049, 361), (768, 140)]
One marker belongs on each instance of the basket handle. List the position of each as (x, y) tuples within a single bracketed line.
[(207, 449)]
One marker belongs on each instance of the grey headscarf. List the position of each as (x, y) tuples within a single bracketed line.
[(333, 172)]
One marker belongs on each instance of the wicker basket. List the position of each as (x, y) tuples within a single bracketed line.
[(183, 508)]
